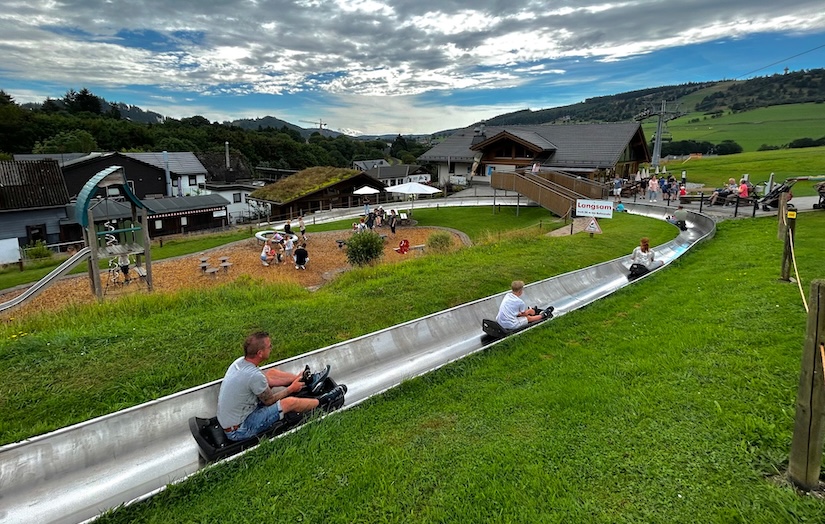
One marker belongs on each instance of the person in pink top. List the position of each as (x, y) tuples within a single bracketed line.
[(741, 192)]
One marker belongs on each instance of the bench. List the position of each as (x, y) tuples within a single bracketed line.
[(213, 271), (226, 266), (140, 270), (204, 266), (341, 243), (419, 247), (404, 220)]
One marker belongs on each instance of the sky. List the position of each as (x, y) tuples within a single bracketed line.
[(387, 67)]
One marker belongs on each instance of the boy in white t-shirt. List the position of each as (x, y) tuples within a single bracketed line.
[(513, 313)]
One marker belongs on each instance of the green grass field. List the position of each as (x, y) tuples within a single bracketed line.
[(785, 163), (669, 401), (774, 126)]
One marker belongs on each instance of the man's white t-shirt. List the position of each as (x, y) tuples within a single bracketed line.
[(508, 312)]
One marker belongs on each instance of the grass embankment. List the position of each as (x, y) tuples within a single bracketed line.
[(785, 163), (60, 369), (669, 401)]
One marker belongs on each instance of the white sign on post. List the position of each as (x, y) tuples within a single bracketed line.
[(9, 251), (594, 208)]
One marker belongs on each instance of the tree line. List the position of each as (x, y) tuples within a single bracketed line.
[(82, 122)]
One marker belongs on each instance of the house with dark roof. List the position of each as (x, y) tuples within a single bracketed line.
[(314, 189), (33, 200), (393, 175), (148, 174), (366, 165), (230, 177), (587, 150)]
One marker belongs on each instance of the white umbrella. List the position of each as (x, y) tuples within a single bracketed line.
[(413, 188), (366, 190)]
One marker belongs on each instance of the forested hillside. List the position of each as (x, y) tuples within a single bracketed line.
[(711, 97), (80, 125)]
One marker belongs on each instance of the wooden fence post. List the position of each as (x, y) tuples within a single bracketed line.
[(790, 231), (808, 434)]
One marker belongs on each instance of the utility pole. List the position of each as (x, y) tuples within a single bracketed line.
[(665, 115)]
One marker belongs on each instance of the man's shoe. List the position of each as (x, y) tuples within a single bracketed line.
[(548, 313), (332, 396), (316, 381)]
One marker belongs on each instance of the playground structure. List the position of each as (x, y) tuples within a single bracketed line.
[(130, 240), (75, 473)]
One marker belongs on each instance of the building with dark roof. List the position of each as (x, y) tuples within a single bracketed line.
[(33, 200), (393, 175), (589, 150), (146, 173)]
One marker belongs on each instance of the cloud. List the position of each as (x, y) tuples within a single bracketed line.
[(386, 52)]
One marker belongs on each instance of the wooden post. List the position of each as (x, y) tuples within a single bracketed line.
[(786, 254), (808, 434), (783, 210), (147, 249)]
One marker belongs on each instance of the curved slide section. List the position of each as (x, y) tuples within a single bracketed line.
[(67, 265), (76, 473)]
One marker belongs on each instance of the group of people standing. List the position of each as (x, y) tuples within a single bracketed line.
[(279, 249), (376, 218)]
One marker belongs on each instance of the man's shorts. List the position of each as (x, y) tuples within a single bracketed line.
[(257, 422)]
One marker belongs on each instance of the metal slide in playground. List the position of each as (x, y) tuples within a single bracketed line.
[(76, 473), (67, 265)]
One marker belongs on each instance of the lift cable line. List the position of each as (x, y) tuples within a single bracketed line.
[(780, 61), (665, 115)]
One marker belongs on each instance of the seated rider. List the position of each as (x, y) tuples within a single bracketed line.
[(679, 218), (643, 259), (247, 403), (513, 313)]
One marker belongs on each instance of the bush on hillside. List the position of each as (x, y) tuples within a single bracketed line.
[(440, 242), (364, 248)]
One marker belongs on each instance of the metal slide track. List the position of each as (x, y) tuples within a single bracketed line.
[(67, 265), (75, 473)]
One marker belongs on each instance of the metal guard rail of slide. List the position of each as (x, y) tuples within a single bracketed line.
[(67, 265), (75, 473)]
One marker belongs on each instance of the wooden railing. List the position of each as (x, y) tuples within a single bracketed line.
[(557, 198)]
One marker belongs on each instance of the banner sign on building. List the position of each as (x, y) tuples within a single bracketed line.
[(594, 208)]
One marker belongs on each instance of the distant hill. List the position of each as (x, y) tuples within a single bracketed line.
[(255, 124), (711, 98)]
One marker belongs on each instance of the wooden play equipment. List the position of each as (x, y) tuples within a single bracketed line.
[(130, 237)]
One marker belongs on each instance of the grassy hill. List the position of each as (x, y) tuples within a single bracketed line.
[(774, 125), (784, 163)]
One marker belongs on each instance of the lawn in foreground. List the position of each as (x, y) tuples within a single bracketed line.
[(61, 369), (669, 401)]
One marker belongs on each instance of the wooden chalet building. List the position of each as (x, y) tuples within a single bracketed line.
[(314, 189), (593, 151)]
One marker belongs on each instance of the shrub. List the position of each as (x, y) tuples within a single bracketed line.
[(37, 249), (440, 242), (363, 248)]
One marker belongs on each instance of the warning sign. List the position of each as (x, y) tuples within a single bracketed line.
[(593, 226)]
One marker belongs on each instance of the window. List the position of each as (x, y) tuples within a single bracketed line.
[(131, 185), (174, 182), (193, 180), (451, 167), (158, 224), (236, 197)]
